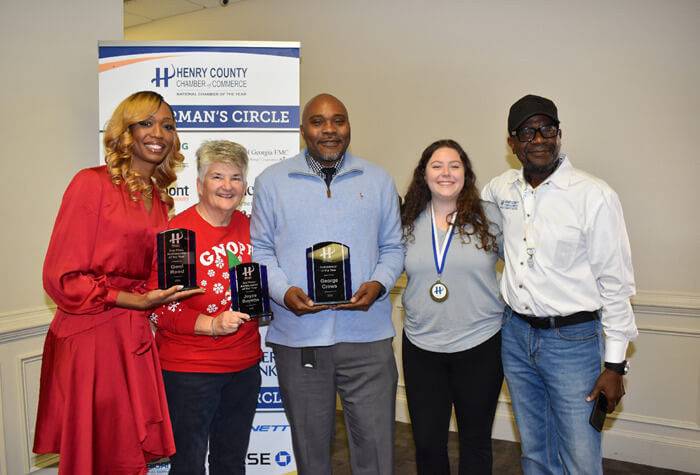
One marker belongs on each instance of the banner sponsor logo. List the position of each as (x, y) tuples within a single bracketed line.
[(269, 155), (270, 427), (179, 193), (281, 458), (158, 468), (258, 458)]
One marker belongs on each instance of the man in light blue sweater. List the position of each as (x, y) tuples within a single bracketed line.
[(327, 194)]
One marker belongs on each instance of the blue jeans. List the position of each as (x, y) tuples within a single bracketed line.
[(549, 374), (214, 407)]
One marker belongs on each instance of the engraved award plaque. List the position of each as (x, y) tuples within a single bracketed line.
[(177, 259), (249, 291), (328, 273)]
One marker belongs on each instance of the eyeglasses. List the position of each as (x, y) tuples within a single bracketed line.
[(526, 134)]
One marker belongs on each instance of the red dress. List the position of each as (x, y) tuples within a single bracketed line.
[(102, 404)]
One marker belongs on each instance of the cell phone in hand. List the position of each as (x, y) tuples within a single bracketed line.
[(600, 410)]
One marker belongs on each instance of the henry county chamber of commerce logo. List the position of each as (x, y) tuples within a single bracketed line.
[(200, 76), (248, 271)]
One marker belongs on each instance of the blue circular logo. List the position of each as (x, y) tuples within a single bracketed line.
[(283, 458)]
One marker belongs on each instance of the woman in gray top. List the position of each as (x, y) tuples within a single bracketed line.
[(451, 339)]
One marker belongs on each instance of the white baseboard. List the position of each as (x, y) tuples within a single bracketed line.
[(653, 450)]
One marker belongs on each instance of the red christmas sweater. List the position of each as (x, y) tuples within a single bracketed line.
[(180, 349)]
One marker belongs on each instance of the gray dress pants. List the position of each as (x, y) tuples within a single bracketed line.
[(364, 375)]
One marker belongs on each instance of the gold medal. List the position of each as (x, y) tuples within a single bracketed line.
[(438, 292)]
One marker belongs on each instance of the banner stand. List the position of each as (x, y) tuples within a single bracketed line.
[(246, 92)]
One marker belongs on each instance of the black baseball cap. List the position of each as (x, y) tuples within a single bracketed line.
[(526, 107)]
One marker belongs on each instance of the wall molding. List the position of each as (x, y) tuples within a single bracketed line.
[(663, 330), (3, 449), (27, 408), (25, 323), (645, 302), (680, 303), (504, 402), (669, 314), (632, 437), (639, 437), (504, 406)]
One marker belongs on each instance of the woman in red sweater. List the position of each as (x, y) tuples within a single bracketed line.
[(101, 400), (208, 352)]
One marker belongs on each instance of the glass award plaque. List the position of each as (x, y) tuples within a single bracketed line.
[(249, 291), (328, 273), (177, 259)]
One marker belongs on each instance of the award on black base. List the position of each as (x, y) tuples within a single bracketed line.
[(177, 259), (328, 273), (249, 291)]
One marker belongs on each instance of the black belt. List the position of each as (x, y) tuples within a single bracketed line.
[(557, 322)]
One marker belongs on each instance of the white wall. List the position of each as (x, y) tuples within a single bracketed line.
[(48, 125), (625, 76)]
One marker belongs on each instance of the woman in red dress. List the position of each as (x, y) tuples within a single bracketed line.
[(101, 402)]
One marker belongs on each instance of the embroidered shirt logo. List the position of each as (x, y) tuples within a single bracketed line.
[(508, 204)]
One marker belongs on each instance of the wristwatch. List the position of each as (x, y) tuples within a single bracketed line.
[(620, 368)]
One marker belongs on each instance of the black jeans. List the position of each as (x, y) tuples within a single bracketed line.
[(214, 407), (469, 379)]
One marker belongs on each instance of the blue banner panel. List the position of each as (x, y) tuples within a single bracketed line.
[(236, 117)]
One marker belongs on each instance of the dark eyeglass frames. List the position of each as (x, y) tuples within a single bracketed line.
[(527, 134)]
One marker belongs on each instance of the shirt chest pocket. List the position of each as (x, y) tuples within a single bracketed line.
[(568, 244)]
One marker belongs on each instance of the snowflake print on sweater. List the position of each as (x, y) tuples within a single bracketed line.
[(179, 347)]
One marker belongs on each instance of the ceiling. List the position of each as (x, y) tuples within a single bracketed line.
[(138, 12)]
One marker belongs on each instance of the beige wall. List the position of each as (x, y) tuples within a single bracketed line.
[(48, 125), (624, 74)]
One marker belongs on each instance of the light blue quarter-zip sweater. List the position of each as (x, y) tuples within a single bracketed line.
[(292, 210)]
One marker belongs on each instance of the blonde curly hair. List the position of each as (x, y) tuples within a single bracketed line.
[(118, 143)]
